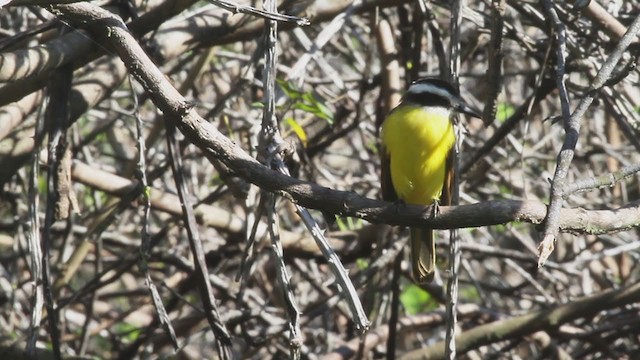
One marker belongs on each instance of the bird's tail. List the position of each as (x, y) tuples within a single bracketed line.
[(423, 254)]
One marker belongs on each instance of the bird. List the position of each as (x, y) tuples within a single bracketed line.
[(417, 141)]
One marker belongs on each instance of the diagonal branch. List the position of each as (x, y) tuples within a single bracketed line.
[(546, 319), (572, 128)]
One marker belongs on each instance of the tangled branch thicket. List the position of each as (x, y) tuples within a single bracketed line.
[(113, 252)]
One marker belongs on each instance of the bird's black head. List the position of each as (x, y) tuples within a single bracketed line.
[(436, 92)]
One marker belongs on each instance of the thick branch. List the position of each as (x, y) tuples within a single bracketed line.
[(377, 211), (548, 319)]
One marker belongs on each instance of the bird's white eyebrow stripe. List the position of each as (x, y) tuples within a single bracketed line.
[(422, 88)]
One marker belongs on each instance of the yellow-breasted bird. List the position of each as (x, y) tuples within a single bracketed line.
[(417, 142)]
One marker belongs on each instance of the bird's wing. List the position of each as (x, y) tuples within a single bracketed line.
[(388, 192), (447, 186)]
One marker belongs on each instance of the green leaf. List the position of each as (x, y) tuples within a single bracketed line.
[(304, 107), (340, 223), (504, 111), (128, 331), (296, 128), (325, 113), (306, 101), (147, 192), (362, 263), (289, 89), (348, 223), (415, 299), (470, 293)]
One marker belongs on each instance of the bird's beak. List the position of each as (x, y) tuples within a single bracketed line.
[(466, 109)]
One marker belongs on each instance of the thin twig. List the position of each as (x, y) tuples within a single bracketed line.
[(561, 53), (418, 23), (145, 243), (223, 339), (602, 180), (57, 120), (312, 52), (269, 143), (624, 115), (395, 307), (585, 257), (572, 129), (391, 88), (295, 334), (494, 71), (321, 40), (454, 243), (249, 254), (505, 129), (436, 37), (33, 237), (269, 15), (527, 276), (346, 287)]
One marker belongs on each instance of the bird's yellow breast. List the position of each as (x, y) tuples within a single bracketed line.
[(418, 140)]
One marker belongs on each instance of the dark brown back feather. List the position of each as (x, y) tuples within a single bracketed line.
[(447, 186), (388, 192)]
